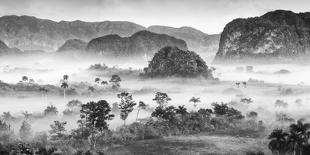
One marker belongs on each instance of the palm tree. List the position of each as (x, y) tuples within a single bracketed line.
[(27, 115), (195, 101), (44, 92), (64, 85), (141, 105), (278, 144), (301, 131)]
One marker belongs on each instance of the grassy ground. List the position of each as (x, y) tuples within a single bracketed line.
[(193, 145)]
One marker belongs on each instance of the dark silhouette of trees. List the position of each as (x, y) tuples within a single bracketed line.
[(300, 132), (278, 142)]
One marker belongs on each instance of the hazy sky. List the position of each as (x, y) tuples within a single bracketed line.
[(209, 16)]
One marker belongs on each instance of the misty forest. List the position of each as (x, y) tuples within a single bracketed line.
[(119, 88)]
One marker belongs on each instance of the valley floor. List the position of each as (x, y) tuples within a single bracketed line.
[(193, 145)]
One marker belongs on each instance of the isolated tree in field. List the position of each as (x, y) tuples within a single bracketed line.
[(278, 144), (97, 80), (237, 84), (25, 78), (58, 130), (104, 82), (25, 132), (64, 86), (115, 80), (94, 116), (244, 83), (301, 130), (126, 105), (246, 100), (161, 99), (50, 110), (195, 101), (141, 105)]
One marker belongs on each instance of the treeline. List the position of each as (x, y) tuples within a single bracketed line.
[(93, 135)]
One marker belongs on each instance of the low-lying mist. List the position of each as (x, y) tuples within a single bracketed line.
[(265, 84)]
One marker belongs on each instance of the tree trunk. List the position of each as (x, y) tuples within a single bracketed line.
[(65, 96), (138, 114)]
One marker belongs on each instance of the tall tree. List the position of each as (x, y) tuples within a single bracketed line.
[(161, 99), (278, 144), (301, 130), (141, 105), (25, 131), (94, 117), (64, 86), (126, 105), (58, 130)]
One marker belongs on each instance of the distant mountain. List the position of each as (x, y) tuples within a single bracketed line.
[(278, 35), (74, 45), (30, 33), (172, 61), (4, 49), (195, 39), (33, 34), (142, 43)]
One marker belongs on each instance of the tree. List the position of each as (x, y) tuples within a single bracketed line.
[(195, 101), (301, 130), (44, 92), (93, 117), (64, 85), (58, 130), (278, 144), (25, 131), (126, 105), (252, 115), (66, 77), (167, 113), (141, 105), (161, 99), (50, 110), (7, 116), (91, 89), (115, 80), (97, 80), (25, 78)]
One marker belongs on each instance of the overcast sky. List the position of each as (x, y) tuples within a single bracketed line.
[(210, 16)]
